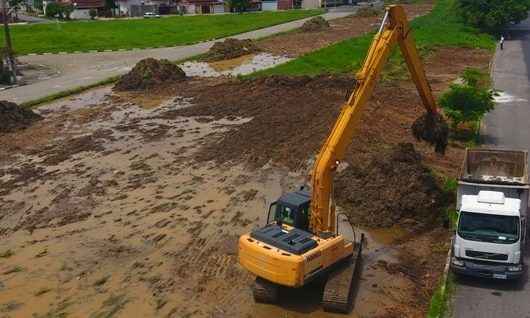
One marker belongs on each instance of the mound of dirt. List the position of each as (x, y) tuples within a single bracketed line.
[(150, 73), (14, 117), (392, 187), (230, 49), (369, 12), (315, 24)]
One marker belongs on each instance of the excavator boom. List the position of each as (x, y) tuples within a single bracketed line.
[(394, 30)]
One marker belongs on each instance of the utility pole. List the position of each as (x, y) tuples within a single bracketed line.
[(8, 44)]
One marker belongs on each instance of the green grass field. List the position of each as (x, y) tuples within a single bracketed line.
[(141, 33), (439, 28)]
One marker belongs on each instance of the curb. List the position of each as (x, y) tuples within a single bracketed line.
[(445, 276)]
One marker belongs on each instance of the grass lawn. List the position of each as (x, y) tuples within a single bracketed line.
[(141, 33), (439, 28)]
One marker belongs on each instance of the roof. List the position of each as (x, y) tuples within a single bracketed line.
[(490, 202), (86, 4), (296, 198), (204, 1)]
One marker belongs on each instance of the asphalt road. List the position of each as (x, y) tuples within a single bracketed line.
[(508, 126), (84, 69)]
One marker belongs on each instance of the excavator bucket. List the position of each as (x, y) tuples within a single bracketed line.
[(432, 128)]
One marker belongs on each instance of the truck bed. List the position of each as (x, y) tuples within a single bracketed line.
[(496, 166)]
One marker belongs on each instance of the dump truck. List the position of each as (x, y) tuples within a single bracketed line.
[(492, 205), (304, 238)]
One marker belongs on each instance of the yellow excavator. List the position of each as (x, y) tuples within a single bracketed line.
[(304, 239)]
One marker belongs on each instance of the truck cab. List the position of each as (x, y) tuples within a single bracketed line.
[(492, 204), (490, 236)]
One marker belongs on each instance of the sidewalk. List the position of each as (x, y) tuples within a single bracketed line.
[(84, 69)]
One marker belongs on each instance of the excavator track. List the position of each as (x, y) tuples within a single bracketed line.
[(265, 291), (339, 290)]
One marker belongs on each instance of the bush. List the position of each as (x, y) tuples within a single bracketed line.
[(469, 101), (239, 5), (55, 10), (66, 11), (493, 15), (93, 14)]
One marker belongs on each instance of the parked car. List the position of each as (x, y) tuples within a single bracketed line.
[(149, 15)]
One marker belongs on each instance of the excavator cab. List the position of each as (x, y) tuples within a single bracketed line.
[(292, 208)]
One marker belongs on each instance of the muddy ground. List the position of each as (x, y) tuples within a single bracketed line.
[(130, 204)]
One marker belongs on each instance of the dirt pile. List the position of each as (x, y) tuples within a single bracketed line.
[(14, 117), (369, 12), (230, 49), (315, 24), (150, 73), (392, 187), (433, 129)]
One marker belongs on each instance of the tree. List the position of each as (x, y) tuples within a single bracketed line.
[(493, 15), (469, 101), (8, 51), (239, 5)]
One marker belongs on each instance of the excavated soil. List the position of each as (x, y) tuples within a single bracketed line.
[(13, 117), (150, 73), (315, 24), (230, 49), (290, 117), (392, 187)]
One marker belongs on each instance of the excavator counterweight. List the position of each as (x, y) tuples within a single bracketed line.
[(303, 238)]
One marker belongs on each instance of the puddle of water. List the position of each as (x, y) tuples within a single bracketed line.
[(77, 102), (227, 65), (503, 97), (247, 66), (387, 236)]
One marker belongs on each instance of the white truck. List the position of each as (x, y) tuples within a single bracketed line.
[(492, 205)]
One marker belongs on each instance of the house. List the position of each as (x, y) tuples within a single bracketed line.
[(137, 8), (273, 5), (203, 6), (81, 7)]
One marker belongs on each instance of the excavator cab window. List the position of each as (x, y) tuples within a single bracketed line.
[(286, 215), (293, 216)]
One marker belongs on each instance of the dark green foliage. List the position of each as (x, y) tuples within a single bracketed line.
[(38, 4), (239, 5), (67, 11), (93, 13), (61, 11), (52, 10), (5, 74), (493, 15), (469, 101)]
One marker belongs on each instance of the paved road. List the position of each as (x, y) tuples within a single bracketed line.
[(89, 68), (32, 19), (507, 126)]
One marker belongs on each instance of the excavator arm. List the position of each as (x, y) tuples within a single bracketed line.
[(394, 29)]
